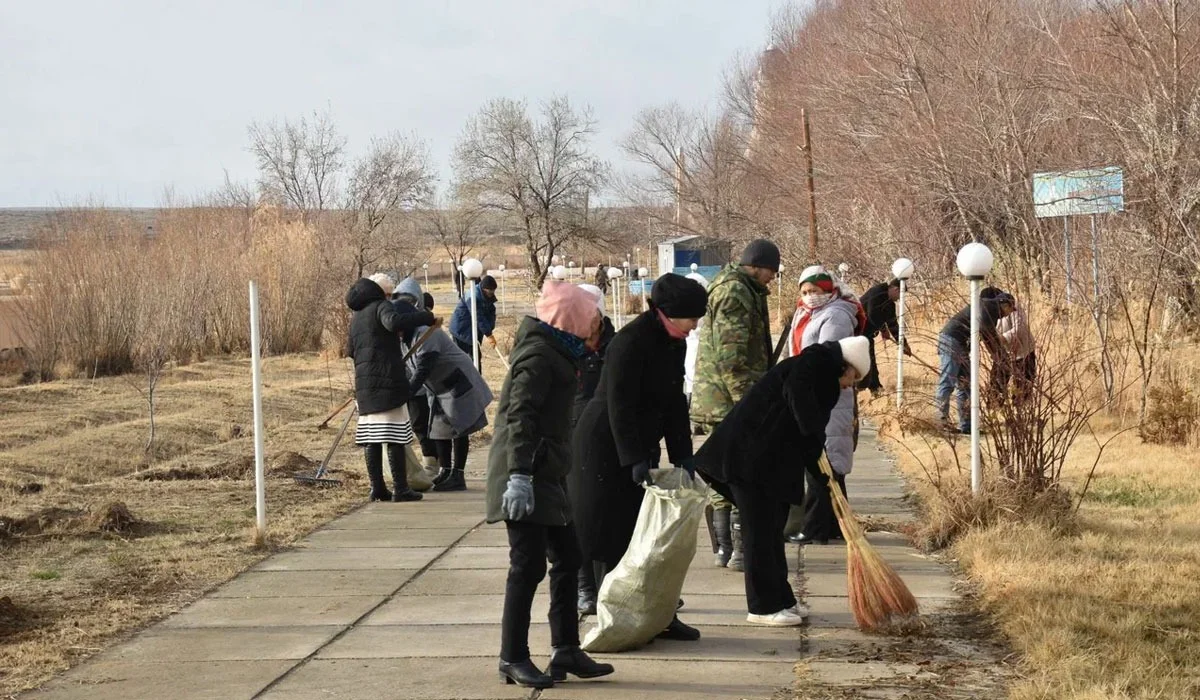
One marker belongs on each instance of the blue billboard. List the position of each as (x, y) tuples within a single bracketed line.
[(1078, 192)]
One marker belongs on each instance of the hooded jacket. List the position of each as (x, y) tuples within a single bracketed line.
[(374, 343), (533, 425), (777, 430)]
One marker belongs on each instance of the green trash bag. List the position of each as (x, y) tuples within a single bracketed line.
[(638, 598)]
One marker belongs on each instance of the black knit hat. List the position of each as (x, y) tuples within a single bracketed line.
[(487, 282), (679, 297), (761, 253)]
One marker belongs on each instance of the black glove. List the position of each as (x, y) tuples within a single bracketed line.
[(641, 472)]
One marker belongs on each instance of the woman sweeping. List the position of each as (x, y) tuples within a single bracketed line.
[(380, 384), (759, 455), (526, 483), (639, 402), (826, 313), (458, 397)]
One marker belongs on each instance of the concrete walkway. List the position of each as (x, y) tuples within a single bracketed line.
[(404, 601)]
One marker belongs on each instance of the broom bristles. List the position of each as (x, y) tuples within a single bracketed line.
[(875, 591)]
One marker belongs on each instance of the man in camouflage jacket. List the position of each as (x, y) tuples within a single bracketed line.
[(735, 351)]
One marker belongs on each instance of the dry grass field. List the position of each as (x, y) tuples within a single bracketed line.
[(1103, 605), (97, 540)]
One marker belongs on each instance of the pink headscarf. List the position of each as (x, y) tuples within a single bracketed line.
[(568, 308)]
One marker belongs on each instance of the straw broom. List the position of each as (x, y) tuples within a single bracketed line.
[(876, 592)]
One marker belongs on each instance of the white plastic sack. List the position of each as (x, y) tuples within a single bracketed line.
[(638, 598)]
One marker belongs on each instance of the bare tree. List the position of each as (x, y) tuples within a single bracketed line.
[(539, 174), (298, 162), (394, 176), (698, 162), (458, 228)]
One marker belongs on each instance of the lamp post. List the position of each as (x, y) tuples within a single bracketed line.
[(642, 274), (502, 276), (559, 272), (974, 262), (425, 267), (473, 269), (902, 269), (614, 274)]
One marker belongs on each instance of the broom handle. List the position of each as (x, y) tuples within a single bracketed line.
[(841, 507)]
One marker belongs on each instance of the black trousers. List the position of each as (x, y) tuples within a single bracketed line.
[(871, 381), (466, 347), (529, 545), (418, 413), (768, 589), (820, 522), (452, 454)]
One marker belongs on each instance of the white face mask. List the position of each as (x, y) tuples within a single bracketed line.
[(816, 300)]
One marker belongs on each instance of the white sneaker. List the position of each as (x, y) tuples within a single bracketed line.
[(783, 618), (800, 609)]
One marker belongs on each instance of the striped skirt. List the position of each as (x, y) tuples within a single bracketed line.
[(390, 426)]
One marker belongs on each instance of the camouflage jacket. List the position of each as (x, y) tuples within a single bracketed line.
[(735, 344)]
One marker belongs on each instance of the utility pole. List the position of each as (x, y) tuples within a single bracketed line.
[(812, 192)]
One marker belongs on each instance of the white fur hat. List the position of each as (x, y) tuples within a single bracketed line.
[(856, 353), (385, 282), (594, 291)]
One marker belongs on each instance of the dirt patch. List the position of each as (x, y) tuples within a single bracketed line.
[(115, 518), (42, 522), (290, 463), (12, 618)]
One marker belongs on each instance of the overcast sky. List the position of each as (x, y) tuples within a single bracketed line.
[(114, 100)]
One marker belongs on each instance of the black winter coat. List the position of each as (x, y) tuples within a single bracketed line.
[(589, 371), (777, 430), (380, 383), (638, 403), (533, 425), (881, 311), (959, 325)]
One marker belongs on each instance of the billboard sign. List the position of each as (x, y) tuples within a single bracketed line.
[(1078, 192)]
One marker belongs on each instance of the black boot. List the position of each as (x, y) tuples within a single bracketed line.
[(724, 539), (524, 674), (455, 482), (573, 660), (374, 454), (400, 490), (442, 475), (587, 591), (679, 631), (735, 532)]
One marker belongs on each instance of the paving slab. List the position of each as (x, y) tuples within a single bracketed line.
[(393, 537), (383, 520), (464, 557), (486, 536), (164, 645), (274, 584), (429, 641), (190, 680), (350, 559), (273, 612), (460, 582), (449, 610)]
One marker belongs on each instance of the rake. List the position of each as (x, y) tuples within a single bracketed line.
[(876, 592), (318, 478)]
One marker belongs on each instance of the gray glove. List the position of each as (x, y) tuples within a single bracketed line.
[(517, 501)]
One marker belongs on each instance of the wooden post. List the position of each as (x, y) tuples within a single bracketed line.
[(812, 192)]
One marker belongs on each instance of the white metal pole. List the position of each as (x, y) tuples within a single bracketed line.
[(1095, 263), (426, 277), (976, 467), (260, 494), (1067, 253), (474, 323), (900, 347), (613, 295), (645, 302)]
